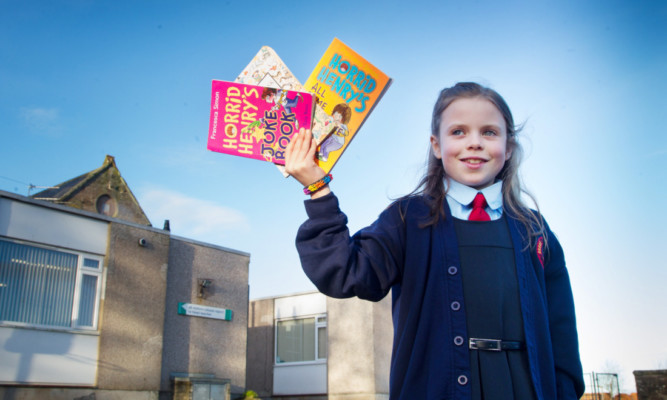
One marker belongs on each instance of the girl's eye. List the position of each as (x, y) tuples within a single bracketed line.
[(457, 132), (490, 133)]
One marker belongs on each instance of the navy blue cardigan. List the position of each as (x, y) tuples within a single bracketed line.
[(421, 267)]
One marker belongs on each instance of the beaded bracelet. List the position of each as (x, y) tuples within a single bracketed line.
[(315, 186)]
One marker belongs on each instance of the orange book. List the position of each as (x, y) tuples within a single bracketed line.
[(348, 88)]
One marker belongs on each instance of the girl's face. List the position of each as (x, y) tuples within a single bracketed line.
[(472, 142)]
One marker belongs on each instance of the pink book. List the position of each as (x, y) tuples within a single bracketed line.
[(256, 121)]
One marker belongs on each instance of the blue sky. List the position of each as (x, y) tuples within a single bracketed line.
[(82, 79)]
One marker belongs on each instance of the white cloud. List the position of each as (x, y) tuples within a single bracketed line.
[(44, 121), (193, 218)]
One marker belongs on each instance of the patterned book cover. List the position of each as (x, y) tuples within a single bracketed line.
[(268, 69), (347, 87), (256, 121)]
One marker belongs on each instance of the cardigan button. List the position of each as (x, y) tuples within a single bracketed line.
[(455, 305), (458, 340), (463, 380), (452, 270)]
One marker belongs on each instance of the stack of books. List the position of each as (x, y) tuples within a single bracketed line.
[(257, 114)]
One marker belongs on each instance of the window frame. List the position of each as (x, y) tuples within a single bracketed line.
[(81, 270), (318, 324)]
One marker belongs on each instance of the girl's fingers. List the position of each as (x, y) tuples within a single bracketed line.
[(312, 149), (290, 147), (296, 152), (304, 141), (296, 144), (293, 151), (300, 158)]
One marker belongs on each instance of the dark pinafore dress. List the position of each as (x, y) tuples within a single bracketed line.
[(493, 310)]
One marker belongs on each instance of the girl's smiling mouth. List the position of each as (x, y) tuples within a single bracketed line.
[(473, 162)]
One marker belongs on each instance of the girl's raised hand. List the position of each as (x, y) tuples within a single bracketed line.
[(300, 161)]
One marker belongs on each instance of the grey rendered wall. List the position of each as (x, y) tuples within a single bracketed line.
[(360, 341), (64, 393), (383, 336), (132, 311), (196, 345), (651, 385), (260, 347)]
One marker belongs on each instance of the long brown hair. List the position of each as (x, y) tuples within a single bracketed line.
[(432, 185)]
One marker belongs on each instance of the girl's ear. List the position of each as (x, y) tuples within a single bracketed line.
[(435, 145), (508, 153), (509, 147)]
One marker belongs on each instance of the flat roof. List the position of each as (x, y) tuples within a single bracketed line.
[(100, 217)]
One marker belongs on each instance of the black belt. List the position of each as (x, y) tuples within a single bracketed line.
[(494, 344)]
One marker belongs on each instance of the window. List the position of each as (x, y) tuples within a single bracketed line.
[(301, 340), (45, 287), (321, 338), (106, 205)]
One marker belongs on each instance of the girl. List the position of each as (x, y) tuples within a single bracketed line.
[(482, 304)]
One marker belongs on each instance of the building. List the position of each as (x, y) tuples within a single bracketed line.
[(308, 346), (102, 191), (96, 303), (651, 384)]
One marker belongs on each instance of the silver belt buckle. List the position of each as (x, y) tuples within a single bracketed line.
[(485, 344)]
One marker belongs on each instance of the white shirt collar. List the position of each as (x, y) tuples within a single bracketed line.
[(464, 195)]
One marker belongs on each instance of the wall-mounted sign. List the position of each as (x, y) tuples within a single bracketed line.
[(196, 310)]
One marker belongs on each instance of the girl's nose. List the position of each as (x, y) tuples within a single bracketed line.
[(475, 140)]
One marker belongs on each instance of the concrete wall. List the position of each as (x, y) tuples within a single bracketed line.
[(46, 393), (132, 310), (651, 385), (49, 356), (360, 336), (302, 378), (141, 340), (260, 347), (383, 335), (49, 225), (107, 180), (360, 341), (196, 345)]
